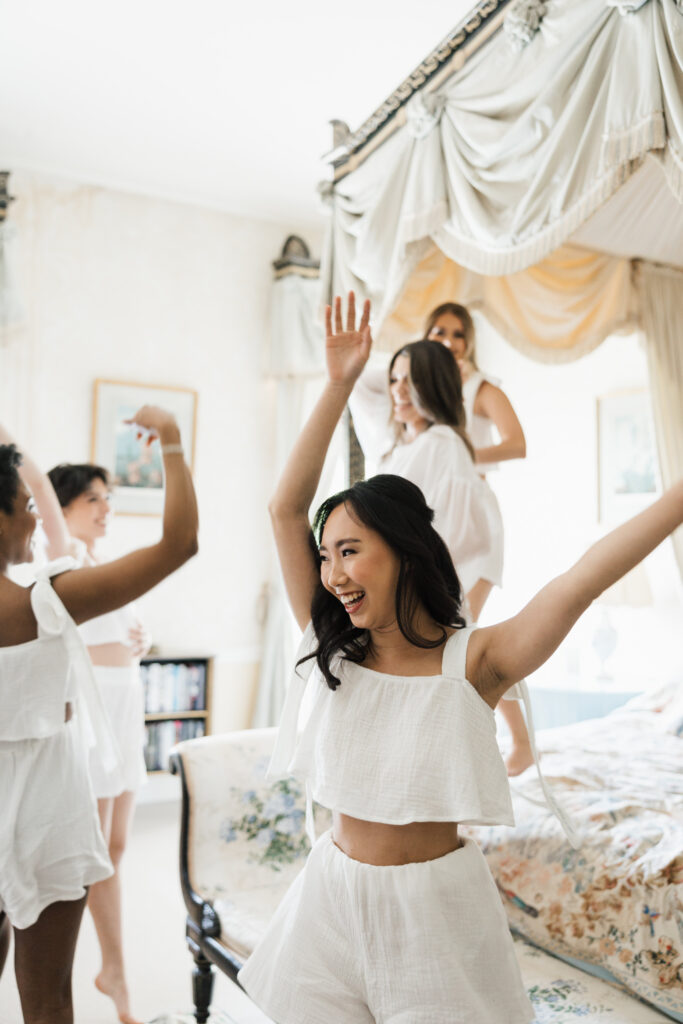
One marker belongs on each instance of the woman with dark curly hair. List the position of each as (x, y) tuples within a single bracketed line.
[(51, 845), (395, 916)]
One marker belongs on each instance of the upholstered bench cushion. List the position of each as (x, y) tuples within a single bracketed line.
[(247, 838)]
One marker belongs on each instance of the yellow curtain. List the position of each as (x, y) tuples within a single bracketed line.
[(555, 311), (661, 289)]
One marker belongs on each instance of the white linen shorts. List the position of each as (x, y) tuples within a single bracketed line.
[(424, 943), (122, 695), (51, 846)]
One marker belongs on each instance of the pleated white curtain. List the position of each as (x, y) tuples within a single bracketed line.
[(296, 360), (9, 304), (515, 150), (661, 289)]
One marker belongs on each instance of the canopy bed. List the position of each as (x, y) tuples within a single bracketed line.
[(531, 167)]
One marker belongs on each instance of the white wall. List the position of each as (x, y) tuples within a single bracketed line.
[(129, 288), (550, 501)]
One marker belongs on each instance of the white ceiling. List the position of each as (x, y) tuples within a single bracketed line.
[(211, 102)]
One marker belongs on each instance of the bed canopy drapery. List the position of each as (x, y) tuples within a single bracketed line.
[(531, 167)]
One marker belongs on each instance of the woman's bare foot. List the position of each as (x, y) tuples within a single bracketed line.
[(519, 759), (115, 987)]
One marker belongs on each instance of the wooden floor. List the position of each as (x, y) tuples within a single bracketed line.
[(159, 965)]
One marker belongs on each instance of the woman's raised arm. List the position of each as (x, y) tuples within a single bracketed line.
[(499, 656), (492, 402), (89, 592), (47, 503), (347, 352)]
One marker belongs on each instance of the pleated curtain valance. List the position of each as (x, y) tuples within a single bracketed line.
[(491, 174)]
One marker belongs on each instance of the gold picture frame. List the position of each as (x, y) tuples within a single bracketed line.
[(135, 468)]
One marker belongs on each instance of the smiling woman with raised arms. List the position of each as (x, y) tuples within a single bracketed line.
[(51, 845), (395, 917)]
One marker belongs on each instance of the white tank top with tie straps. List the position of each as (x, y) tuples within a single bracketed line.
[(398, 749)]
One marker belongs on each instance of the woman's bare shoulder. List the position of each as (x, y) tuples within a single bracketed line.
[(17, 621)]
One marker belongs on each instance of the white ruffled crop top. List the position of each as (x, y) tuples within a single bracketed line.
[(397, 749), (39, 677), (112, 627)]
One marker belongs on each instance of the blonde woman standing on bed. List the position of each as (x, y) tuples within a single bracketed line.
[(486, 406)]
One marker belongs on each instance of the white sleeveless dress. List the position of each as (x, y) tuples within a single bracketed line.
[(467, 514), (51, 846), (480, 429)]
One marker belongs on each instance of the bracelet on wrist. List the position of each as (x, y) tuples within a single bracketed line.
[(172, 449)]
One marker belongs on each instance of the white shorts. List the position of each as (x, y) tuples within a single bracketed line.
[(121, 689), (51, 846), (424, 943)]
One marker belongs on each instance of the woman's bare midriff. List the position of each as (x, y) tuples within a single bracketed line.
[(373, 842), (113, 655)]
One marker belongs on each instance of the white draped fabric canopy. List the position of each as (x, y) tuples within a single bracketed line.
[(540, 180), (505, 160)]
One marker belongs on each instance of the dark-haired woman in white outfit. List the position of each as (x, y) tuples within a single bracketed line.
[(51, 845), (486, 407), (395, 918)]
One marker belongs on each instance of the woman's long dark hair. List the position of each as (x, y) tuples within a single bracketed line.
[(10, 460), (436, 381), (395, 509)]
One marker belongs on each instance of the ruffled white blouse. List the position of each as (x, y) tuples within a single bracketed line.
[(398, 749), (39, 677), (438, 461)]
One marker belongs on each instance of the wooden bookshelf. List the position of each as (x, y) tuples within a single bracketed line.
[(177, 692)]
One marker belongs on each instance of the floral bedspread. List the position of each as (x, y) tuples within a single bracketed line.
[(562, 994), (616, 903)]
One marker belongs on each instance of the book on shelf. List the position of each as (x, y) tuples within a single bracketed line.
[(174, 686), (161, 737)]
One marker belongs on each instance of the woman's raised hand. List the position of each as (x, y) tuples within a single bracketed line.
[(347, 348), (156, 421)]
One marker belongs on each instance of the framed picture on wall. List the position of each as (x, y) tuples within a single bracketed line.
[(628, 477), (136, 468)]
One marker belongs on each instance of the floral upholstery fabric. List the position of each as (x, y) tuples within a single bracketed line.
[(616, 903), (247, 838)]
